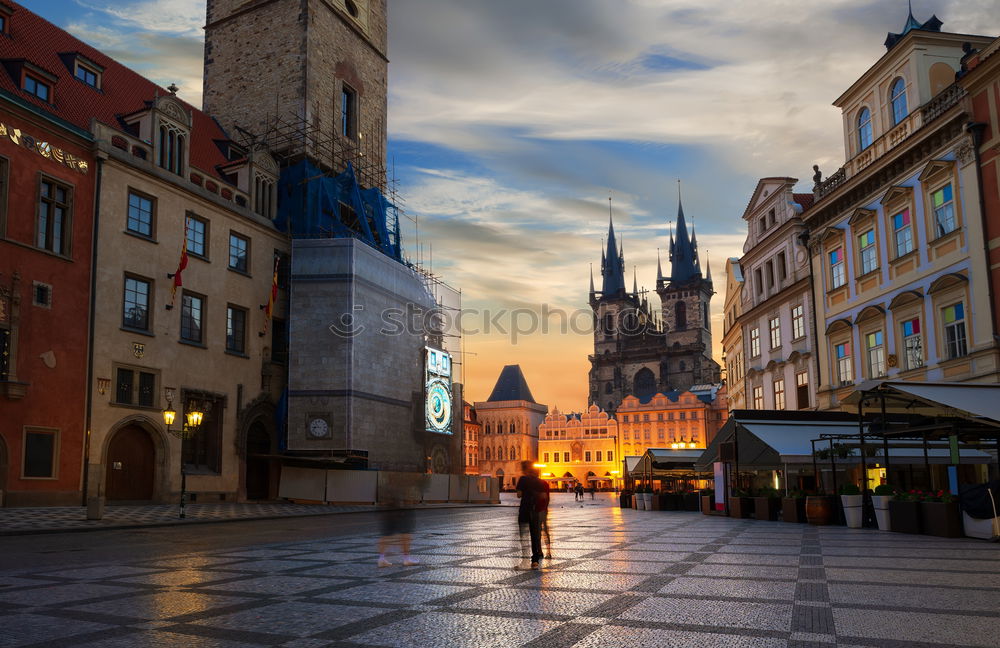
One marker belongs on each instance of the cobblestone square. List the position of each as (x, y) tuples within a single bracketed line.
[(619, 578)]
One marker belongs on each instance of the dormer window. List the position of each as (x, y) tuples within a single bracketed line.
[(897, 100), (87, 73), (171, 143), (5, 14), (35, 86), (864, 129)]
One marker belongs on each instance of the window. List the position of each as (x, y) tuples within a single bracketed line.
[(88, 75), (680, 316), (348, 111), (864, 129), (954, 330), (236, 329), (754, 342), (770, 217), (204, 450), (40, 449), (239, 248), (586, 456), (36, 87), (897, 99), (779, 394), (625, 418), (512, 430), (135, 387), (135, 303), (196, 231), (944, 210), (140, 214), (838, 275), (611, 455), (902, 232), (191, 318), (171, 149), (845, 371), (798, 322), (774, 324), (802, 389), (876, 354), (41, 294), (683, 416), (782, 271), (769, 272), (53, 227), (599, 455), (545, 457), (566, 457), (913, 352), (263, 196), (867, 252), (758, 281), (758, 398)]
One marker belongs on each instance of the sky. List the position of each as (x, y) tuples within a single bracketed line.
[(511, 123)]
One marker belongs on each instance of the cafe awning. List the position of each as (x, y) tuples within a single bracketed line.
[(979, 402)]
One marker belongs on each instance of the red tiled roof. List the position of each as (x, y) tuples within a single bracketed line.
[(804, 199), (37, 41)]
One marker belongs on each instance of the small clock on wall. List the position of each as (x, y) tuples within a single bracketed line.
[(317, 427)]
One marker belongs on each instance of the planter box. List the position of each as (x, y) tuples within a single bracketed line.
[(793, 509), (671, 502), (625, 500), (852, 510), (635, 501), (741, 507), (904, 517), (690, 501), (766, 508), (941, 519), (707, 504), (820, 509), (656, 503), (881, 504)]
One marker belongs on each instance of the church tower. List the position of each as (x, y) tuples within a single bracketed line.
[(685, 299), (306, 78)]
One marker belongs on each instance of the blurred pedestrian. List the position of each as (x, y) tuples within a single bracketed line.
[(578, 492), (397, 525), (529, 490), (543, 516), (592, 490)]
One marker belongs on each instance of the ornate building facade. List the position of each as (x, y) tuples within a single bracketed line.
[(509, 420), (677, 419), (580, 447), (641, 352), (471, 431), (732, 335)]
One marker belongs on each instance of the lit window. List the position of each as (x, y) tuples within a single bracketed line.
[(897, 99), (758, 398), (599, 456), (238, 253), (838, 275), (197, 234), (565, 457), (53, 226), (867, 252), (944, 210), (545, 457), (36, 87), (864, 129), (913, 352), (798, 322), (611, 455), (876, 354), (586, 456), (779, 394), (135, 307), (845, 370), (903, 232), (774, 324), (754, 342), (954, 330), (191, 318), (140, 214)]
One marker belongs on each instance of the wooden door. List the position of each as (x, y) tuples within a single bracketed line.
[(130, 465), (258, 468)]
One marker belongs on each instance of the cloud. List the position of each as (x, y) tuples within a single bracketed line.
[(180, 17)]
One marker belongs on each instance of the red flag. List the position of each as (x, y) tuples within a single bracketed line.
[(268, 308), (181, 264)]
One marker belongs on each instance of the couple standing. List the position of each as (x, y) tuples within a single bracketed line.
[(533, 511)]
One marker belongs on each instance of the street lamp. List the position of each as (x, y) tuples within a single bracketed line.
[(194, 414)]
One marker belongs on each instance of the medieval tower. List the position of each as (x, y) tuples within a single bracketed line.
[(634, 354)]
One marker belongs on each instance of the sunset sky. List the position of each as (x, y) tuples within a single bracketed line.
[(511, 121)]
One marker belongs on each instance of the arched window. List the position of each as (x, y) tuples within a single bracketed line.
[(487, 428), (680, 316), (644, 384), (864, 129), (513, 454), (488, 454), (512, 428), (897, 99)]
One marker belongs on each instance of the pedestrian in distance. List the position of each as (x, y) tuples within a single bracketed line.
[(397, 525), (578, 492), (529, 490), (592, 490)]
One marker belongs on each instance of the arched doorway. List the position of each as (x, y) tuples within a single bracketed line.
[(131, 465), (258, 471)]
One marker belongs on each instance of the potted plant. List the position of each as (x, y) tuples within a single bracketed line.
[(647, 498), (767, 504), (880, 499), (904, 511), (656, 502), (741, 504), (625, 499), (819, 509), (793, 507), (850, 498), (940, 515), (707, 501)]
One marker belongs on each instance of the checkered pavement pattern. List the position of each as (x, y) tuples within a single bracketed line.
[(617, 579)]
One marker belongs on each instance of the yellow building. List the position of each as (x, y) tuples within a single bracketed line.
[(691, 418), (579, 447)]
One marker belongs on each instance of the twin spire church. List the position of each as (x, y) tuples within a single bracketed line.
[(637, 353)]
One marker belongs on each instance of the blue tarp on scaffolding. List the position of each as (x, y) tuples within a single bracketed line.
[(314, 204)]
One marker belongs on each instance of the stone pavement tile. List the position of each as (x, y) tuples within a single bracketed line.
[(97, 573), (367, 569), (463, 550), (505, 562), (270, 566), (193, 561), (625, 637), (162, 639), (534, 601), (903, 577), (290, 619), (946, 629), (769, 572), (259, 553), (25, 629), (331, 555), (816, 592), (203, 635), (732, 588), (902, 596), (461, 575), (395, 592), (8, 582), (586, 581), (761, 549), (455, 630), (812, 619), (306, 643), (64, 593), (161, 605), (767, 616), (179, 578), (653, 556), (616, 566), (753, 559), (922, 563), (274, 585)]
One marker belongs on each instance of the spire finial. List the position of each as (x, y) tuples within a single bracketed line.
[(635, 282), (591, 279)]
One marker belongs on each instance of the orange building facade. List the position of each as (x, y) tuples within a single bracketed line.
[(688, 419)]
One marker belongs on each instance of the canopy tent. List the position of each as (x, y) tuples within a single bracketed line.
[(974, 402)]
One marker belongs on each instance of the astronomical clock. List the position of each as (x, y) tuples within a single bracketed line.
[(437, 391)]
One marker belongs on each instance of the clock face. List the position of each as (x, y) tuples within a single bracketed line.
[(318, 428), (438, 407)]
